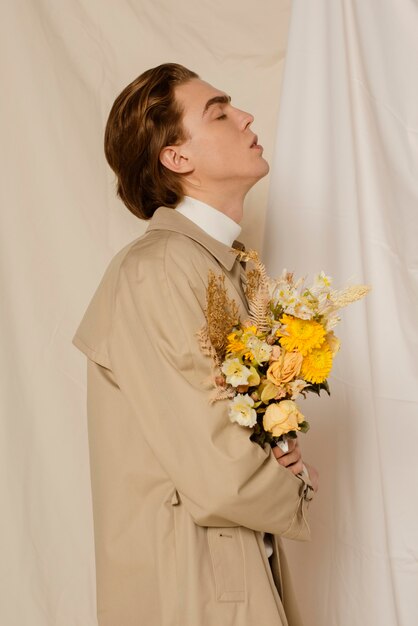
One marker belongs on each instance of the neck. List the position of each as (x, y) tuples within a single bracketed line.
[(232, 204)]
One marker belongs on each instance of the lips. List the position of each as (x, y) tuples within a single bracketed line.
[(255, 145)]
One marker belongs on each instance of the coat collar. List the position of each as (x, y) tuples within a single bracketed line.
[(165, 218)]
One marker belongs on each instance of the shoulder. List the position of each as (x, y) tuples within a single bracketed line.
[(159, 270), (167, 255)]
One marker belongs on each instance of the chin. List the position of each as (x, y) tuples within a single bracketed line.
[(264, 169), (260, 174), (267, 167)]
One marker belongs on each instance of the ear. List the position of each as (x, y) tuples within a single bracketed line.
[(173, 158)]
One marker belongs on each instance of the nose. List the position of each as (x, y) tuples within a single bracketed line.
[(245, 119), (250, 119)]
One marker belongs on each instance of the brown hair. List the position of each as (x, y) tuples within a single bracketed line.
[(144, 118)]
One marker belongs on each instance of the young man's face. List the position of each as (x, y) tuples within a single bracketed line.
[(220, 149)]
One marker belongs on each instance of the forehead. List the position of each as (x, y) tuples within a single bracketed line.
[(193, 96)]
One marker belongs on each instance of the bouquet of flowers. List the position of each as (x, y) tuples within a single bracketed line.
[(284, 349)]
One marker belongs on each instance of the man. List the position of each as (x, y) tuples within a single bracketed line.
[(188, 512)]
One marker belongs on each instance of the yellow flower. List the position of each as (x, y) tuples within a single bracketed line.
[(281, 417), (234, 343), (317, 365), (302, 335), (285, 368), (251, 329), (247, 344)]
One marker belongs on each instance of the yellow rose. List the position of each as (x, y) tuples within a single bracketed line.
[(281, 417), (285, 368)]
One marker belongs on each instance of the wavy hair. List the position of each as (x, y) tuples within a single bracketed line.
[(145, 118)]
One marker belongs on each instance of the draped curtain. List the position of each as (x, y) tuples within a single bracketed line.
[(343, 198), (340, 130), (62, 64)]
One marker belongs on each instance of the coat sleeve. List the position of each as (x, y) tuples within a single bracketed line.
[(223, 478)]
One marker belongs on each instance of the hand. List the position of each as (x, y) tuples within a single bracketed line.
[(313, 475), (291, 459)]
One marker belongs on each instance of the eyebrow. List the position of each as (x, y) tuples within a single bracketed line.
[(216, 100)]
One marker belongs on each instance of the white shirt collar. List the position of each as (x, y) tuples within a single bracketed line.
[(217, 224)]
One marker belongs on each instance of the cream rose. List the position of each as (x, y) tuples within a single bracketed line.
[(281, 417), (285, 368)]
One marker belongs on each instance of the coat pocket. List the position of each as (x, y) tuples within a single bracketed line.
[(227, 554)]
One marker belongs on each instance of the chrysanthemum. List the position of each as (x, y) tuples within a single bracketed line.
[(250, 329), (317, 365), (301, 335), (235, 344)]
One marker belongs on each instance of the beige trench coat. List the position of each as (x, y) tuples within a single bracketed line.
[(181, 496)]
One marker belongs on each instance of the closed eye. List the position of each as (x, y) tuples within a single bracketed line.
[(221, 117)]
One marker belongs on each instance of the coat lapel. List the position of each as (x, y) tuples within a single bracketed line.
[(170, 219), (165, 218)]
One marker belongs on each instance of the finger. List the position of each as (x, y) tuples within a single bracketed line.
[(290, 457), (296, 468), (292, 445), (295, 453), (278, 452)]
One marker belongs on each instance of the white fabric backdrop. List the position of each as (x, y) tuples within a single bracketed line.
[(343, 198), (62, 64)]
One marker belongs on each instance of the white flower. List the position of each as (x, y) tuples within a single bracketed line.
[(321, 284), (284, 295), (241, 410), (301, 309), (296, 387), (236, 373), (260, 349)]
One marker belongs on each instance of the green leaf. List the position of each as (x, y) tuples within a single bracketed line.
[(316, 387), (257, 428)]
